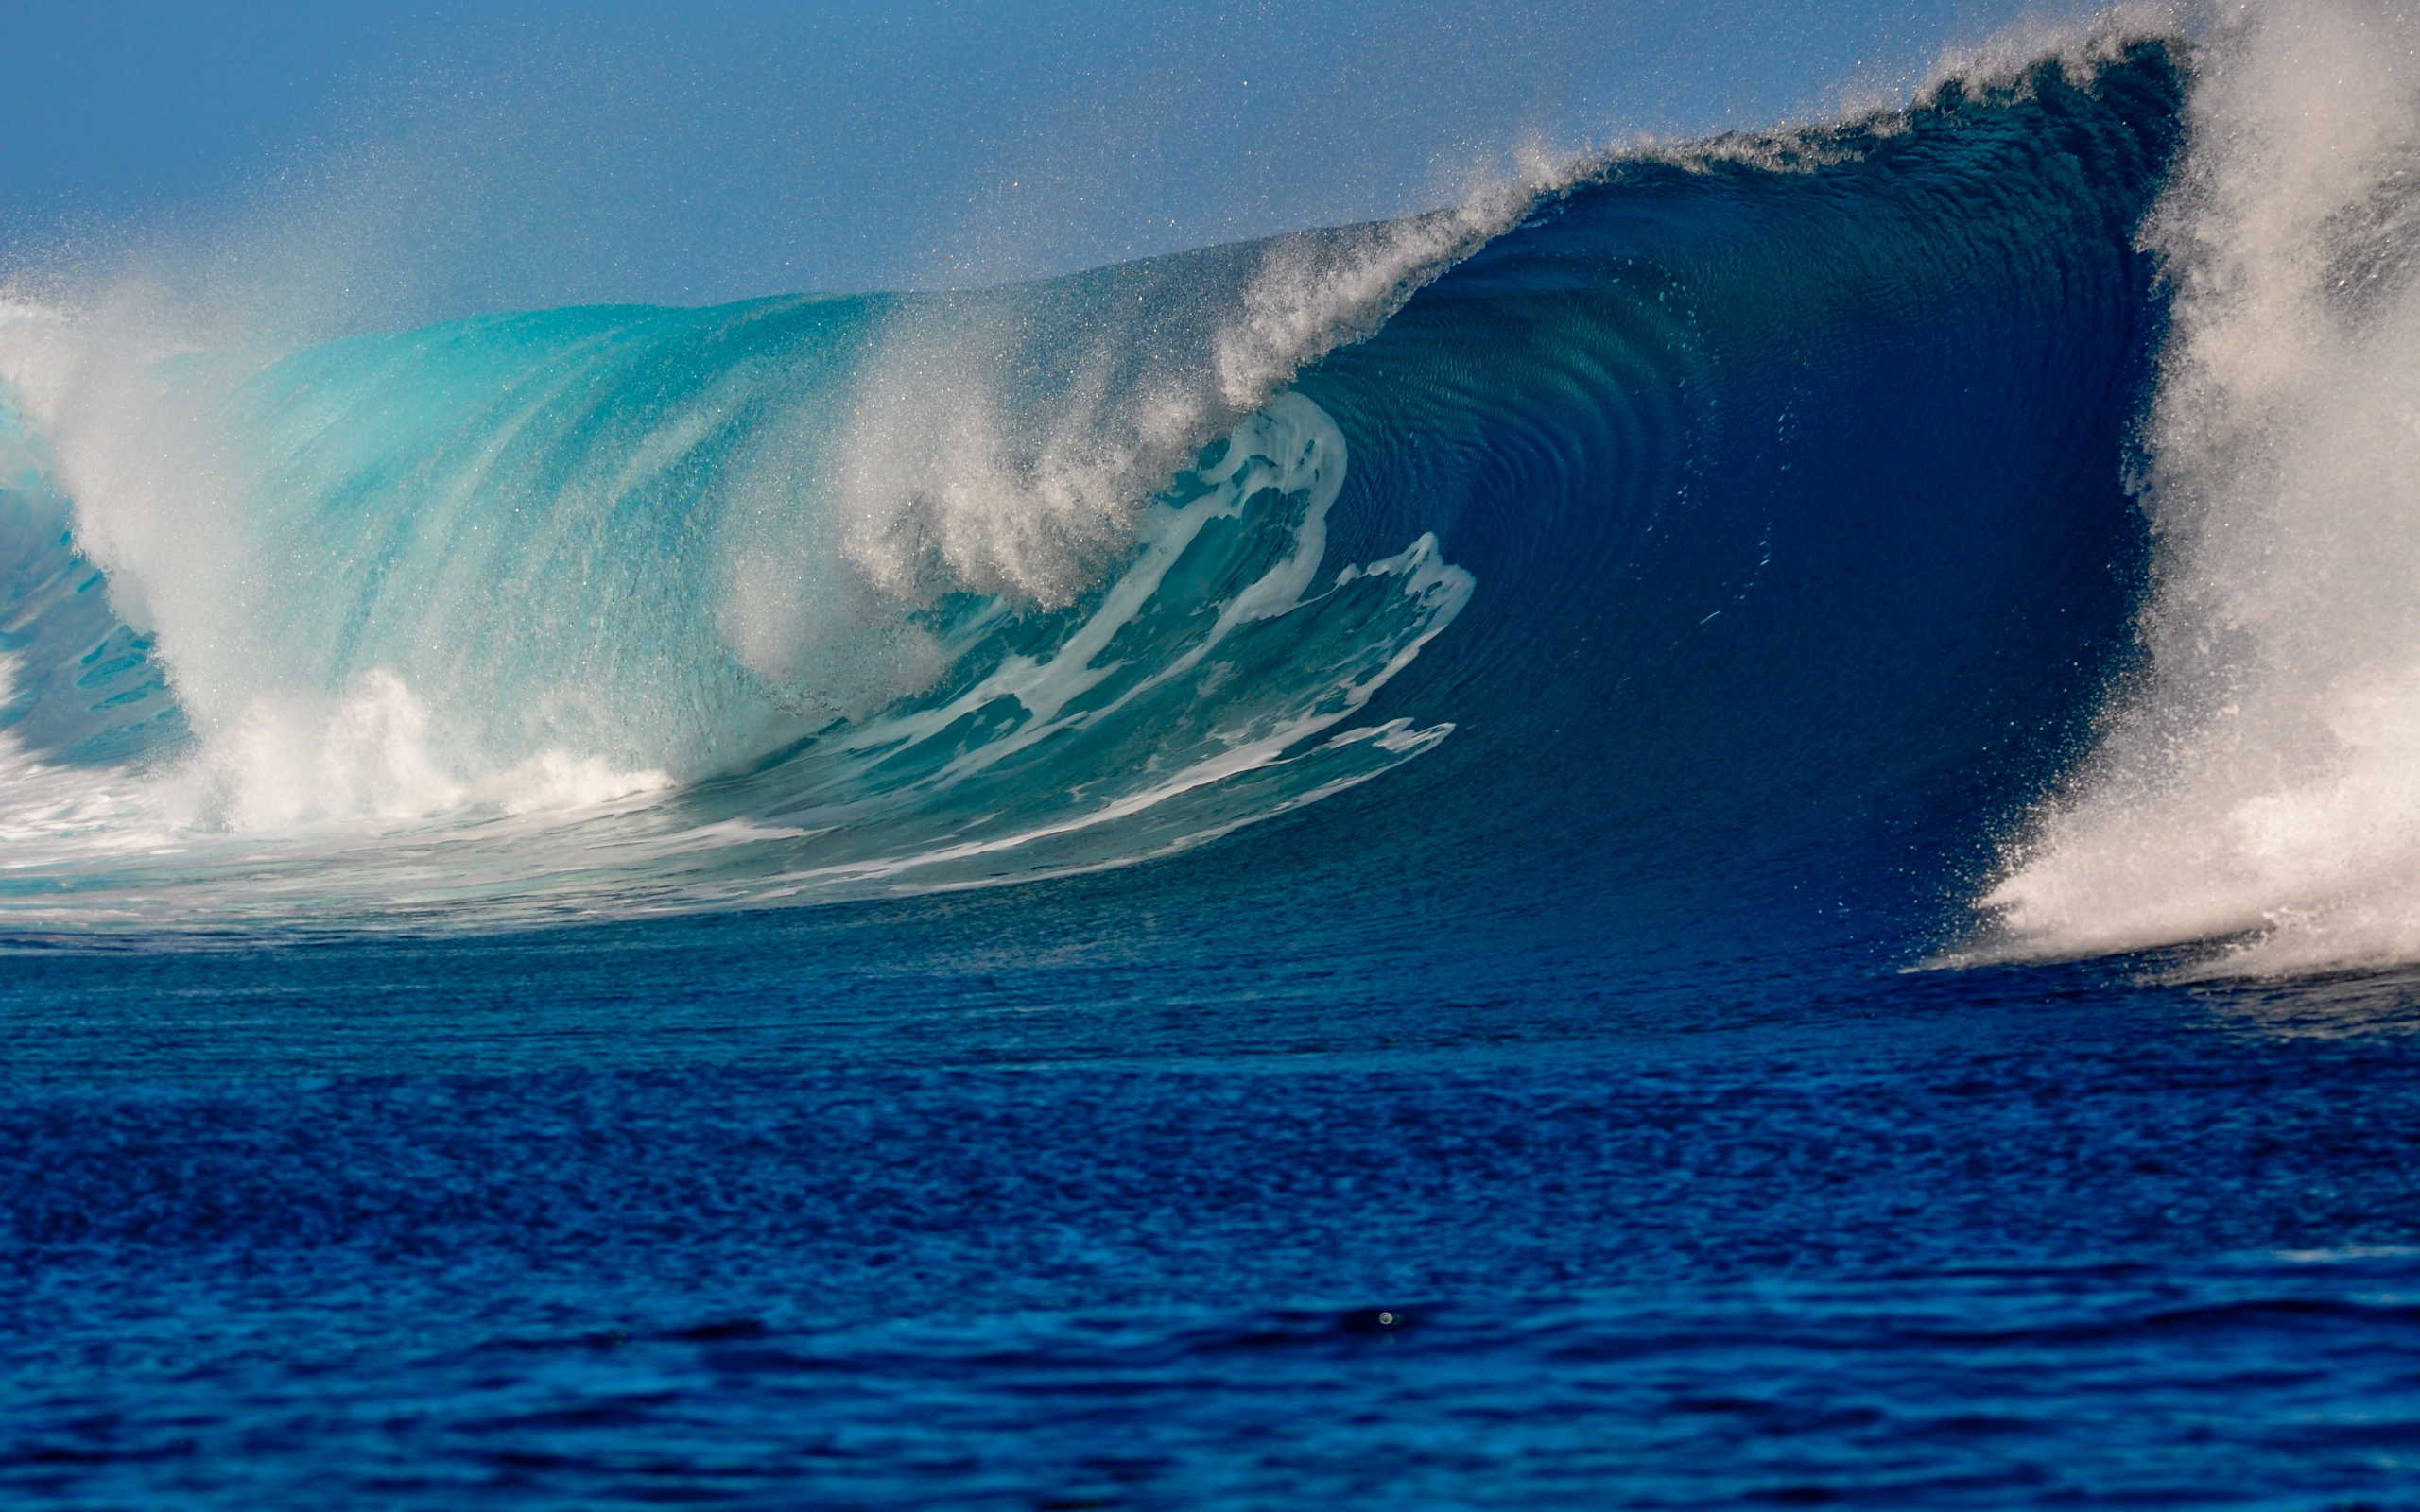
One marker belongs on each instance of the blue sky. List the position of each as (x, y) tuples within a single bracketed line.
[(541, 154)]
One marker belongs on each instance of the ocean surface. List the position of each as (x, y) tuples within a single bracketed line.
[(1734, 825)]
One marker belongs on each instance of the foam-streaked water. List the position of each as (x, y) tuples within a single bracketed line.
[(1472, 861)]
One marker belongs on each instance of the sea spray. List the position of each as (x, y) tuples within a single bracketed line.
[(2261, 779)]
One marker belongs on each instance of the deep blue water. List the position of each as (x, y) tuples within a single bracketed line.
[(742, 1211), (1556, 1111)]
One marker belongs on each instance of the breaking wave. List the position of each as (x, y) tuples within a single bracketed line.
[(1990, 521)]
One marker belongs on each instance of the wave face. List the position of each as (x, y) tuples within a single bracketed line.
[(1725, 546)]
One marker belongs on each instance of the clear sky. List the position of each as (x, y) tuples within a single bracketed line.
[(535, 153)]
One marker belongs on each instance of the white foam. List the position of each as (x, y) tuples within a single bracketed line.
[(2262, 783), (1290, 448), (2009, 58), (950, 475), (293, 761), (1309, 297), (1291, 445)]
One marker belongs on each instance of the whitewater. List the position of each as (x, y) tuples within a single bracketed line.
[(2258, 786)]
